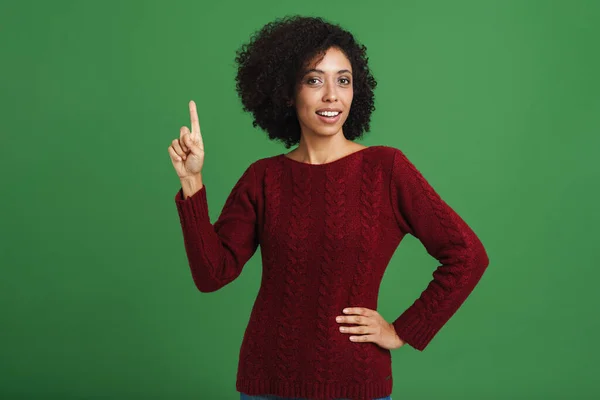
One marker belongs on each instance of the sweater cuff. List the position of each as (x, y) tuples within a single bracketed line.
[(194, 209), (414, 329)]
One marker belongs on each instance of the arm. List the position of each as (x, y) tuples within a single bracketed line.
[(421, 212), (217, 253)]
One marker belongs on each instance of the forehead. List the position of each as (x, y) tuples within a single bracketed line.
[(333, 60)]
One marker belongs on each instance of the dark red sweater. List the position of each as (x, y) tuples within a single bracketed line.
[(326, 234)]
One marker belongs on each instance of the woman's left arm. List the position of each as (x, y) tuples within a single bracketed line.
[(420, 211)]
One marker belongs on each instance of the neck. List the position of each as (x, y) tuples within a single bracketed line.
[(319, 150)]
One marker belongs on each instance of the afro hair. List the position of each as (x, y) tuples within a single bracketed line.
[(271, 63)]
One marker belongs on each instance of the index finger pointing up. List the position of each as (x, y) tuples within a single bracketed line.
[(194, 118)]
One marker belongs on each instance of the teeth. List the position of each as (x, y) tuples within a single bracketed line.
[(328, 113)]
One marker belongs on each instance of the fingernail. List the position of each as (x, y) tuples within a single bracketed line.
[(339, 319)]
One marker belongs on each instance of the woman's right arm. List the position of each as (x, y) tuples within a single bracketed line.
[(216, 252)]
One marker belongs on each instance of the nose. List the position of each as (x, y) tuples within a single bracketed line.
[(330, 92)]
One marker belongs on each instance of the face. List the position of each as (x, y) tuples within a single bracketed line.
[(326, 85)]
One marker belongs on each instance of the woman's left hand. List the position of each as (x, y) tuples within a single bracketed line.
[(372, 326)]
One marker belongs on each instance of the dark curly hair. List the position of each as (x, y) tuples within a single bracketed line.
[(270, 65)]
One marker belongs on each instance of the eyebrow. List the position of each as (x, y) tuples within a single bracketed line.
[(322, 72)]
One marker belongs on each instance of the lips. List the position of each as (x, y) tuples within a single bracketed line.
[(329, 120), (329, 109)]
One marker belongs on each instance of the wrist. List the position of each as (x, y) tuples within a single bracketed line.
[(191, 184), (399, 340)]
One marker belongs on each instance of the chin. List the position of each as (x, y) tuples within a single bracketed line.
[(320, 130), (328, 132)]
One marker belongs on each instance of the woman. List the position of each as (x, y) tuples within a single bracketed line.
[(328, 217)]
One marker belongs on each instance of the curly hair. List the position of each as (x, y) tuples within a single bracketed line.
[(270, 65)]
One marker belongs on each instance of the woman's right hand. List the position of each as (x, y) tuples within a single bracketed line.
[(187, 152)]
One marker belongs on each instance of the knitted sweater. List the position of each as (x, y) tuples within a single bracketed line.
[(326, 234)]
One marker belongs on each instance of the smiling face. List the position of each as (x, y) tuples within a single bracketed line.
[(326, 85)]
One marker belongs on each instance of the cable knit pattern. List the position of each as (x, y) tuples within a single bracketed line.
[(298, 231), (335, 231), (327, 233), (370, 204)]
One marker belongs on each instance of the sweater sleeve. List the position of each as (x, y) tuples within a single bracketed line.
[(420, 211), (217, 252)]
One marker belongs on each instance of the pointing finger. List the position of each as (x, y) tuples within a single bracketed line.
[(194, 118)]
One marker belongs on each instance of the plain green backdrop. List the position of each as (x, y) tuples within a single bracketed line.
[(496, 103)]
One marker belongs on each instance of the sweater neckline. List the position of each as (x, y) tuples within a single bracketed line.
[(331, 163)]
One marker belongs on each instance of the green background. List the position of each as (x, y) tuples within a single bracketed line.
[(496, 102)]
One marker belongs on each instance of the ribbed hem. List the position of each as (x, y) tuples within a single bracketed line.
[(316, 390), (414, 329), (194, 209)]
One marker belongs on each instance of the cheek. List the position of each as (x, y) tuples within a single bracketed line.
[(306, 107), (306, 114), (350, 96)]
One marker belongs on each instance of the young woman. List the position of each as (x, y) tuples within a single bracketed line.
[(328, 217)]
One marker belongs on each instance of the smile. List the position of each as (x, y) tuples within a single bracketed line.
[(330, 117)]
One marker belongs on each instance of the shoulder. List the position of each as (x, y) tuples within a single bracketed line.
[(397, 167), (258, 168), (390, 152), (395, 158), (261, 164), (383, 151), (386, 156)]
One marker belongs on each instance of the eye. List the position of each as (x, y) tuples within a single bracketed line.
[(311, 79), (346, 79)]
